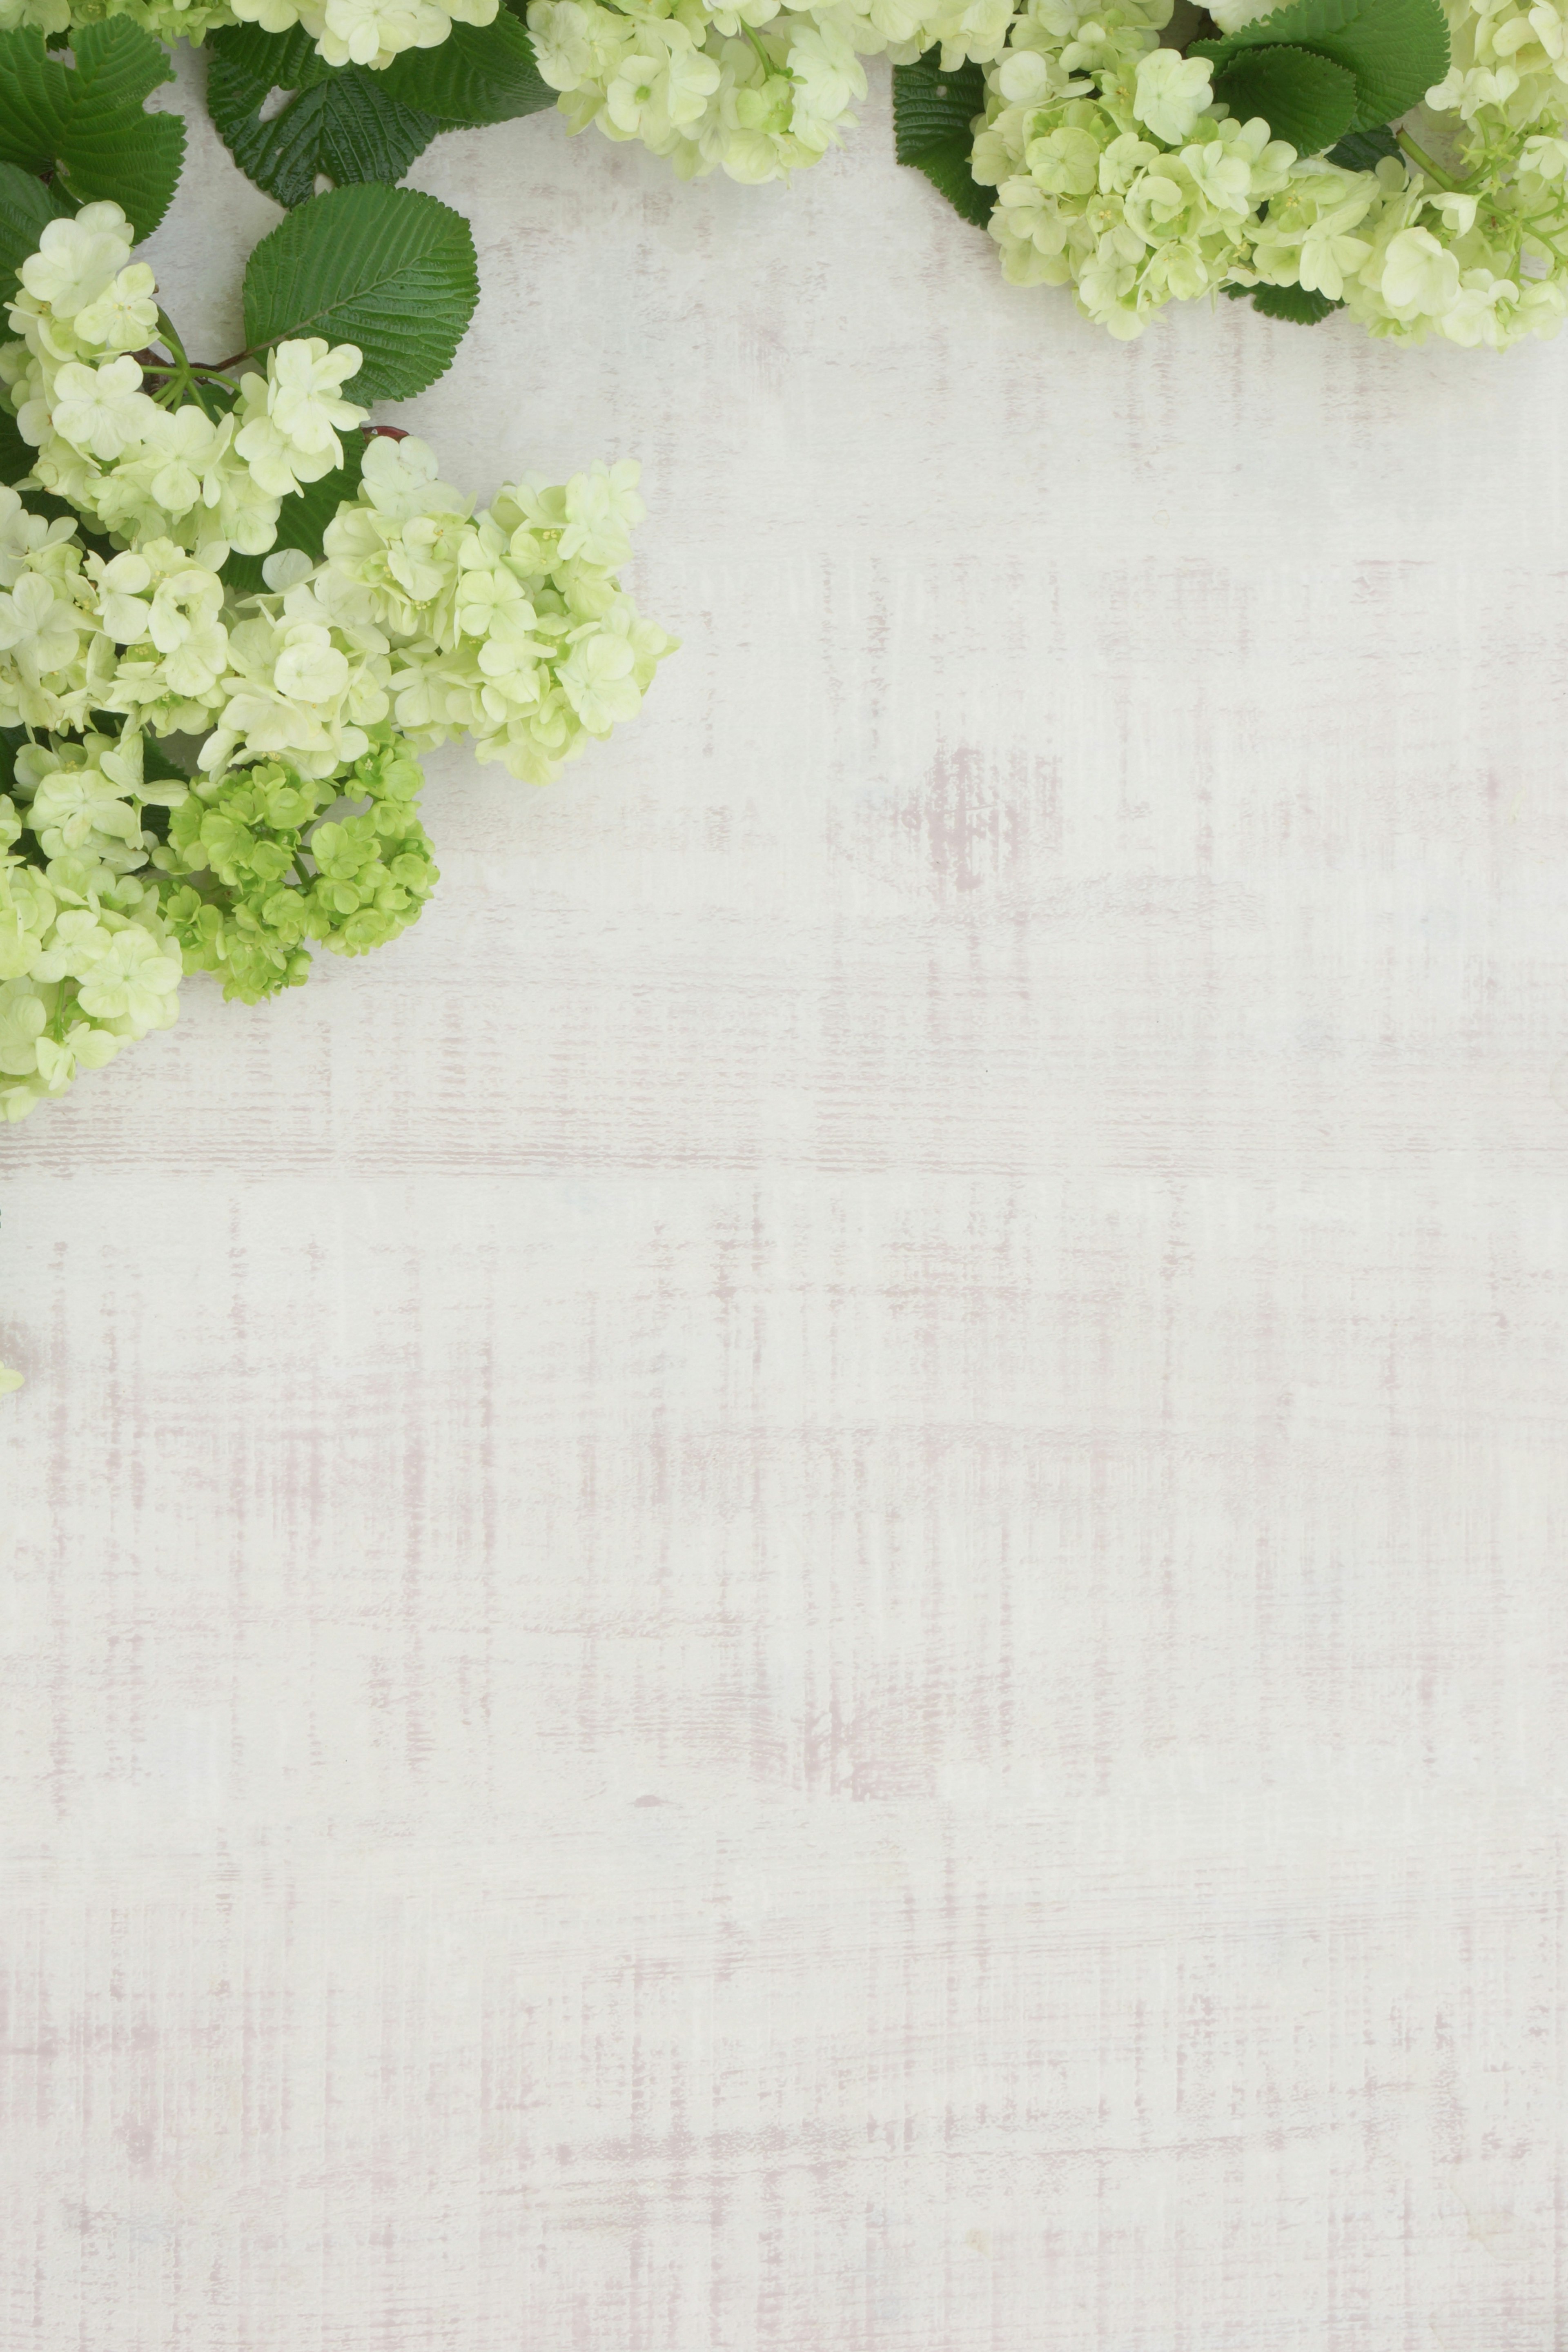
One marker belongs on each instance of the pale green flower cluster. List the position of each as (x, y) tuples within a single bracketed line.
[(345, 32), (507, 626), (757, 90), (420, 621), (1509, 60), (1117, 172), (87, 961), (1482, 264), (129, 464)]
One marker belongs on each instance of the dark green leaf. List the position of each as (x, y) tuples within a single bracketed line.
[(113, 149), (302, 519), (16, 455), (1293, 302), (344, 126), (479, 73), (156, 764), (932, 115), (277, 60), (86, 122), (1363, 151), (1396, 48), (387, 268), (26, 208), (1302, 98), (349, 123)]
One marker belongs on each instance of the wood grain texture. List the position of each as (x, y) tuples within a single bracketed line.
[(801, 1588)]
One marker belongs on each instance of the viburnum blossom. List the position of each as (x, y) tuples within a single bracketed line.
[(345, 32), (757, 90), (304, 695), (1117, 172)]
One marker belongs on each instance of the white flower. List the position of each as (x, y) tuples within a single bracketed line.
[(78, 259), (135, 982), (37, 626), (124, 316), (1420, 277), (1172, 93), (602, 510), (122, 584), (23, 534), (102, 410), (304, 394), (309, 669), (597, 679), (21, 1019)]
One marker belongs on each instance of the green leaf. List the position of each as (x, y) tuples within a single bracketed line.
[(1293, 302), (11, 742), (26, 208), (16, 455), (86, 122), (344, 125), (1363, 151), (479, 73), (387, 268), (156, 764), (1302, 98), (349, 124), (281, 61), (302, 519), (1396, 48), (933, 112)]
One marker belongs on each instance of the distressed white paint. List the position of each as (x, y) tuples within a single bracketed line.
[(802, 1589)]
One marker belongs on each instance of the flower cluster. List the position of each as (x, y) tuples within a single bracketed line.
[(133, 617), (345, 32), (758, 89), (87, 961), (1119, 173), (286, 872), (1509, 60), (128, 459)]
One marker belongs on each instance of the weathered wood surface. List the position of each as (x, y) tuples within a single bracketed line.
[(803, 1589)]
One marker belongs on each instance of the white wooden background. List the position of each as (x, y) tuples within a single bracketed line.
[(803, 1589)]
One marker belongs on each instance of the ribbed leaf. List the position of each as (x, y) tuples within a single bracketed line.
[(387, 268), (933, 114), (16, 455), (279, 60), (87, 122), (342, 125), (1396, 48), (479, 73), (35, 102), (1363, 151), (349, 123), (1293, 302), (302, 519), (112, 149), (1302, 98), (26, 208)]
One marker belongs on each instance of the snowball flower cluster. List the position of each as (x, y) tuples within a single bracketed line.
[(1507, 60), (125, 459), (345, 32), (1118, 174), (1115, 171), (87, 962), (757, 90), (304, 698)]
